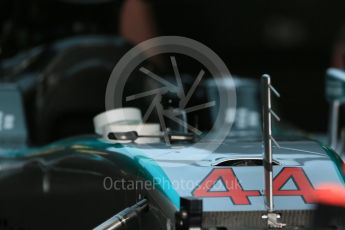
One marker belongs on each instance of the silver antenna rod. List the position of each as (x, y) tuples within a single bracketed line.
[(267, 112), (267, 133)]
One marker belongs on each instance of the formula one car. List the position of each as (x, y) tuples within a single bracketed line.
[(249, 181), (132, 174)]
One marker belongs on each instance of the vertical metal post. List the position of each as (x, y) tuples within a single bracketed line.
[(333, 123), (267, 133), (267, 112), (335, 95)]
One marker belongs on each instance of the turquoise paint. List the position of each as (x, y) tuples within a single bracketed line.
[(336, 160), (151, 171), (134, 160)]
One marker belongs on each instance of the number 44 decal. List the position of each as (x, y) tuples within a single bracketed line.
[(239, 196)]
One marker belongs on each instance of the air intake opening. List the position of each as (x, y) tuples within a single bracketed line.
[(240, 162)]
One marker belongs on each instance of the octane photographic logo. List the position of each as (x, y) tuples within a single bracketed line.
[(225, 103)]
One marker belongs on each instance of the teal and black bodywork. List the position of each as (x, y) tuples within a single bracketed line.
[(79, 182), (230, 181)]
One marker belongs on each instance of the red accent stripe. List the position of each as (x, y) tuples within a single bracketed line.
[(331, 194)]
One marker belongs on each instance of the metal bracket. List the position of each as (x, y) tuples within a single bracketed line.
[(190, 215), (273, 220)]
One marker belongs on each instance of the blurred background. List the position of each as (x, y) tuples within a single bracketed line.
[(294, 41)]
